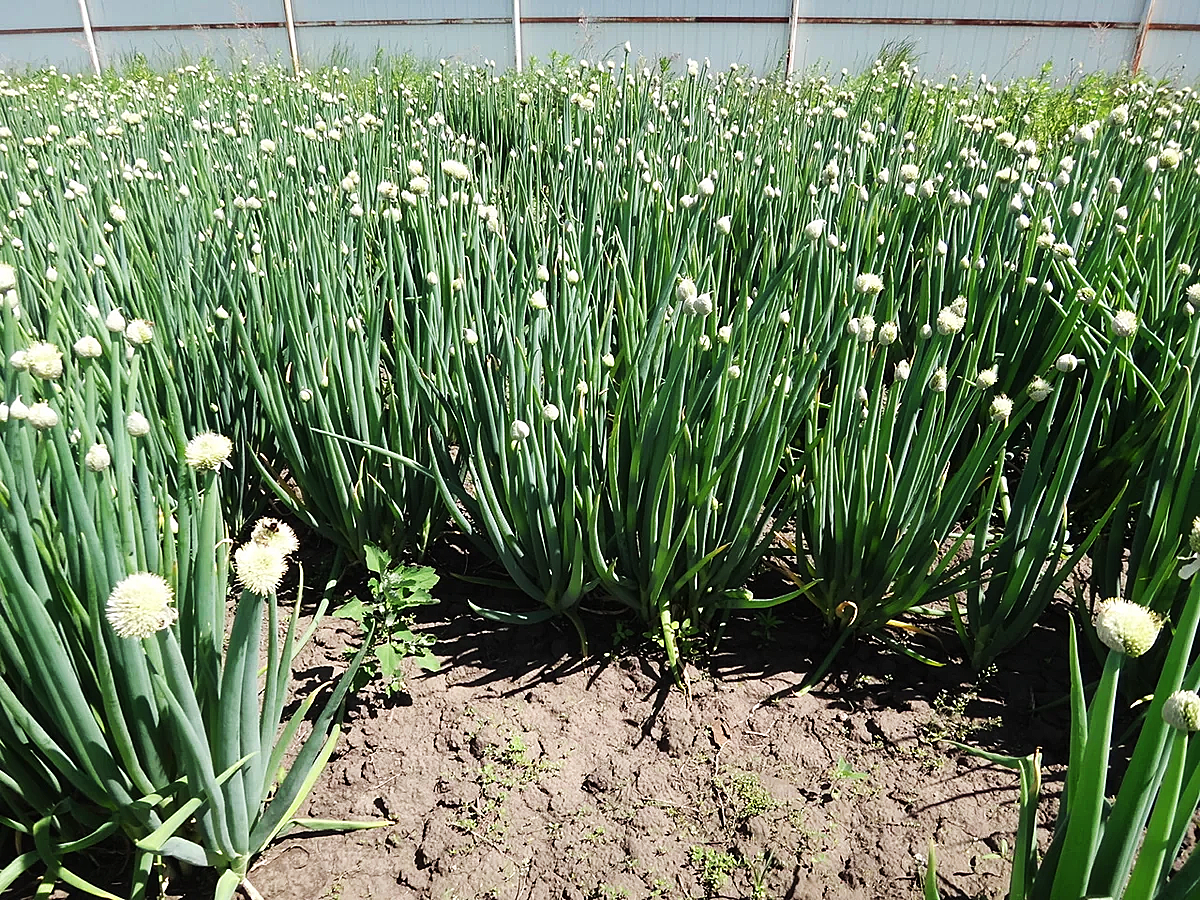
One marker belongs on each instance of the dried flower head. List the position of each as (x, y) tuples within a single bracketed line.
[(140, 605), (1125, 627)]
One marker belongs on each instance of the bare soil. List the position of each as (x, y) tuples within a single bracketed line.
[(521, 772)]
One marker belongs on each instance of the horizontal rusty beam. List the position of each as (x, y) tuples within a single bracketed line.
[(911, 22)]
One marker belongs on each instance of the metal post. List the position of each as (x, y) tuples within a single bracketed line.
[(89, 36), (793, 21), (290, 20), (1139, 42), (520, 55)]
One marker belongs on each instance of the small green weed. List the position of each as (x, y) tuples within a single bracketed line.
[(395, 592)]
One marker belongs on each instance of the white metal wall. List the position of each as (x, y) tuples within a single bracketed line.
[(1003, 38)]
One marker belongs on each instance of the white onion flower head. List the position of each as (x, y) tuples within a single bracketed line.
[(1001, 408), (456, 170), (686, 290), (987, 378), (537, 300), (700, 306), (8, 278), (1125, 627), (1068, 362), (140, 605), (41, 416), (260, 568), (550, 412), (1181, 710), (1115, 185), (1124, 324), (940, 380), (814, 229), (208, 452), (115, 322), (267, 146), (137, 425), (519, 431), (903, 370), (868, 283), (275, 535), (949, 322), (139, 332), (725, 224), (97, 459), (866, 329), (44, 360), (888, 333), (1039, 389)]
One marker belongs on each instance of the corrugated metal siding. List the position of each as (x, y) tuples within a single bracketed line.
[(225, 46), (127, 13), (472, 43), (1061, 10), (1001, 51), (375, 10), (66, 50), (762, 47), (948, 35)]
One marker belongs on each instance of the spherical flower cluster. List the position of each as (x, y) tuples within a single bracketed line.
[(814, 229), (949, 322), (208, 451), (44, 360), (1124, 324), (456, 170), (867, 283), (1039, 389), (1068, 362), (1125, 627), (275, 535), (888, 333), (940, 380), (87, 347), (550, 412), (41, 416), (260, 568), (1182, 711), (8, 278), (987, 378), (519, 430), (97, 459), (140, 605), (1001, 408), (537, 300), (137, 425), (139, 332)]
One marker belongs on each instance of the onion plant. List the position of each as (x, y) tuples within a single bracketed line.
[(127, 705)]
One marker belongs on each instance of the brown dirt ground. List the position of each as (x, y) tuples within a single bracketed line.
[(520, 772)]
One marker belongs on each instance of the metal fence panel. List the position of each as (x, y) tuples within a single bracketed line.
[(182, 14), (1000, 51), (65, 49), (426, 42), (761, 47), (398, 10), (223, 46), (1004, 38), (621, 9)]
